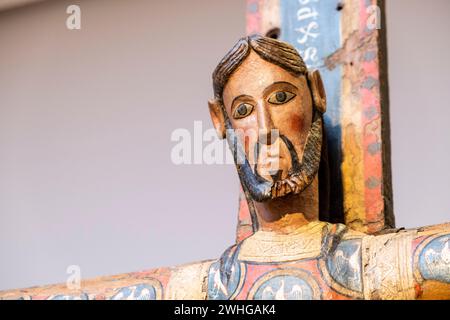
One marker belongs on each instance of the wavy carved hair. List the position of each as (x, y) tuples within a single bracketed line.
[(271, 50)]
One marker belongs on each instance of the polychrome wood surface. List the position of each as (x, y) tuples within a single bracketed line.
[(317, 261), (341, 39)]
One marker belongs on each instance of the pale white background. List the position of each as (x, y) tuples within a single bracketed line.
[(86, 118)]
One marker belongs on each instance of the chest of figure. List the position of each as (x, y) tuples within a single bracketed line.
[(338, 276)]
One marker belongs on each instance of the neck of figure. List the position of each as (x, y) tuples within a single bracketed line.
[(286, 214)]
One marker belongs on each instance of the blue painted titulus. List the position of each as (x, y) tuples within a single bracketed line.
[(313, 27)]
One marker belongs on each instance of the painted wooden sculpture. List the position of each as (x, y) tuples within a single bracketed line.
[(270, 108), (346, 41)]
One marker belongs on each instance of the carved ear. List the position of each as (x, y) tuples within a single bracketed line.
[(215, 109), (317, 90)]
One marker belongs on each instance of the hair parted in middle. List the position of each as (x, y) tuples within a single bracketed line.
[(269, 49)]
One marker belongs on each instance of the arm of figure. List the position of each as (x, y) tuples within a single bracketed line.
[(172, 283), (407, 264)]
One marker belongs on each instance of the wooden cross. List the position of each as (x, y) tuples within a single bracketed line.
[(346, 41)]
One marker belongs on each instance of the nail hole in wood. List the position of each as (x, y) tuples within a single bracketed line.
[(273, 33)]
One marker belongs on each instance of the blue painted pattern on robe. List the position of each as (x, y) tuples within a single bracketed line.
[(434, 260), (136, 292), (344, 265)]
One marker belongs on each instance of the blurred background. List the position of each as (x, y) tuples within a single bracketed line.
[(86, 118)]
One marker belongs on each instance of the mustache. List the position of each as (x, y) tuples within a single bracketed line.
[(301, 174), (304, 172), (293, 154), (258, 188)]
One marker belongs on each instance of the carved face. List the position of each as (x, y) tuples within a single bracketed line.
[(269, 111), (266, 103)]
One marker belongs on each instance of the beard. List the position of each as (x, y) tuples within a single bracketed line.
[(300, 175)]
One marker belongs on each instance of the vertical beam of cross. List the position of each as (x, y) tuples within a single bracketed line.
[(346, 41)]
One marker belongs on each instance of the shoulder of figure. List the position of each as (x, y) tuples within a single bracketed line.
[(189, 282), (389, 266)]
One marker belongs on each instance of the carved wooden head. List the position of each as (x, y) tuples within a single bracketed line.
[(269, 107)]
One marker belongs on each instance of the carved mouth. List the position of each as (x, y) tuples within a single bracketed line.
[(303, 176), (302, 172)]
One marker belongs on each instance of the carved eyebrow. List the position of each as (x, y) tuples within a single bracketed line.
[(270, 87), (240, 97)]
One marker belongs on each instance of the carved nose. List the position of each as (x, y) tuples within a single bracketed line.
[(265, 127), (267, 136)]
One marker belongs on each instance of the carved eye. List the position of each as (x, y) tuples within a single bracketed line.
[(281, 97), (242, 110)]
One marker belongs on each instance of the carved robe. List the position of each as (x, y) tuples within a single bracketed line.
[(326, 261)]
